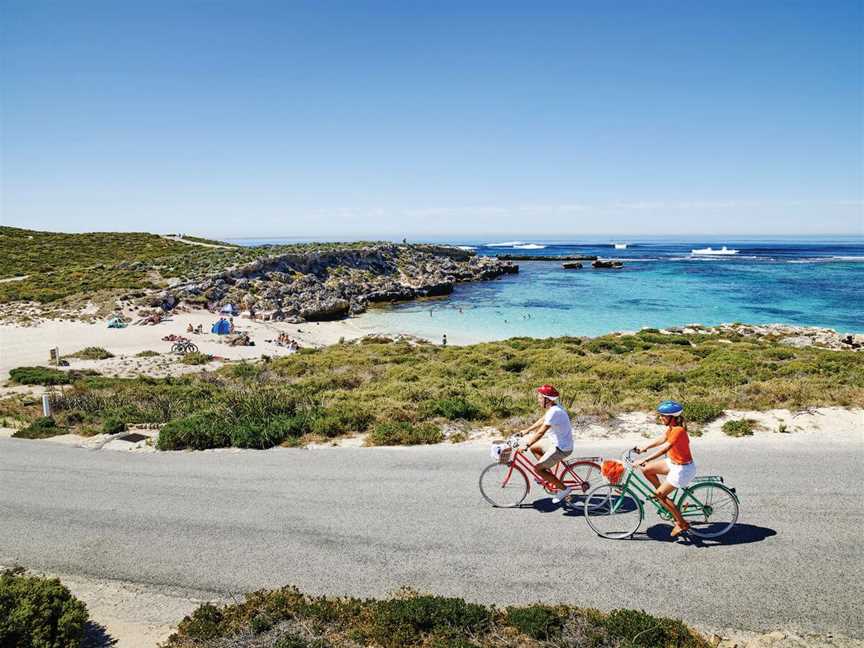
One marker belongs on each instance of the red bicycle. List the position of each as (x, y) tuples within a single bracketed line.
[(506, 482)]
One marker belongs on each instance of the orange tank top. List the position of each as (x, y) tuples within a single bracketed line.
[(679, 445)]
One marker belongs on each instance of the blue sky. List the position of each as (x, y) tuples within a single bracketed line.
[(360, 119)]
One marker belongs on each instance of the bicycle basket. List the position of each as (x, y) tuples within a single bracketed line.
[(612, 471), (501, 452)]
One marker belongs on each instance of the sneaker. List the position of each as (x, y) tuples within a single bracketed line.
[(562, 495)]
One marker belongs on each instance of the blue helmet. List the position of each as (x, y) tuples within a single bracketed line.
[(670, 408)]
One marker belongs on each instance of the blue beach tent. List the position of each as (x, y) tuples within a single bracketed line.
[(222, 327)]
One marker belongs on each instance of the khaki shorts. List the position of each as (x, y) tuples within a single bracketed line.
[(551, 457)]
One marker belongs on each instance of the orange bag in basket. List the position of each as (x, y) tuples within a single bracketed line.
[(612, 470)]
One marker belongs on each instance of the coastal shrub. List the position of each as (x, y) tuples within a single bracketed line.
[(701, 411), (638, 628), (147, 354), (39, 612), (292, 619), (92, 353), (112, 425), (39, 376), (536, 621), (199, 431), (454, 408), (195, 358), (404, 433), (42, 428), (340, 418), (739, 428), (514, 365)]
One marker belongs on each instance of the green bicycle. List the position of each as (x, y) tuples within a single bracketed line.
[(616, 510)]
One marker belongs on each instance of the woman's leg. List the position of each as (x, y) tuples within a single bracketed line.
[(663, 497), (656, 467)]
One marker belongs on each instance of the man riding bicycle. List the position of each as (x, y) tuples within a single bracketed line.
[(550, 438)]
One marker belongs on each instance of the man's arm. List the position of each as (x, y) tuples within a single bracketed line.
[(535, 436), (533, 427)]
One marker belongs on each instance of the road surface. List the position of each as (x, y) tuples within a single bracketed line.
[(368, 521)]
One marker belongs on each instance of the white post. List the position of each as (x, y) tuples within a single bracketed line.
[(46, 405)]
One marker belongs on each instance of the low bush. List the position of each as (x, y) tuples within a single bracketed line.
[(39, 613), (42, 428), (404, 433), (454, 408), (195, 358), (39, 376), (536, 621), (92, 353), (700, 411), (113, 425), (147, 354), (196, 432), (287, 618), (739, 428)]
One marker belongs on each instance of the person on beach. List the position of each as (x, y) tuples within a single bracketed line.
[(678, 466), (444, 340), (550, 438)]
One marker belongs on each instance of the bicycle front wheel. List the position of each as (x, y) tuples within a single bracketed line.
[(503, 485), (613, 512), (710, 508)]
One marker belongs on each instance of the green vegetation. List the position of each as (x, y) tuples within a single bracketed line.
[(195, 358), (42, 428), (113, 426), (147, 354), (288, 618), (92, 353), (39, 612), (398, 390), (58, 267), (39, 376), (739, 428), (404, 433)]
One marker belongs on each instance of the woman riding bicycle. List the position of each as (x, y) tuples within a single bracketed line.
[(678, 467), (551, 448)]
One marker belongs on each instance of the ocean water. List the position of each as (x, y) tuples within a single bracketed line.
[(816, 282)]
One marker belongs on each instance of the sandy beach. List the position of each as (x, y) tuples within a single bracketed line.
[(22, 346)]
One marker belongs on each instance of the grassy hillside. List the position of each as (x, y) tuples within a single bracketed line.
[(57, 266), (403, 393)]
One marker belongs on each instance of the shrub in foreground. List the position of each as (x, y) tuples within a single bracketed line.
[(195, 358), (42, 428), (39, 613), (404, 433), (92, 353), (739, 428), (39, 376), (287, 618)]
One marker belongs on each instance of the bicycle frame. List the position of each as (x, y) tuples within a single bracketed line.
[(640, 487), (525, 463)]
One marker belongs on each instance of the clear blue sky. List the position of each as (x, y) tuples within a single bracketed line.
[(355, 119)]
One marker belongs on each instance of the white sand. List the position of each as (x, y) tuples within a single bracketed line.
[(30, 345)]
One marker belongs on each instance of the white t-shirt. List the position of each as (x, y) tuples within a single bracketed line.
[(560, 430)]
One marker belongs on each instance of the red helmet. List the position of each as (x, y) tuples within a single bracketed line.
[(548, 391)]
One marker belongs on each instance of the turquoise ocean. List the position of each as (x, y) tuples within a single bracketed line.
[(812, 282)]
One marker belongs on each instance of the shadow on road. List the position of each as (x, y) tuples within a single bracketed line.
[(739, 534), (96, 636), (575, 507)]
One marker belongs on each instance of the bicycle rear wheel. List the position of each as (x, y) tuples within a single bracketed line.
[(613, 512), (710, 508), (503, 485), (580, 475)]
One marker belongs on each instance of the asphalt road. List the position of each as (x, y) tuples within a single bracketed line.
[(368, 521)]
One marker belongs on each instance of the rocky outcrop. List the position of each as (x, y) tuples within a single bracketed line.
[(787, 335), (334, 283)]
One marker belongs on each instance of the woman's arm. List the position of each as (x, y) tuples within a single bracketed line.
[(664, 448), (653, 444)]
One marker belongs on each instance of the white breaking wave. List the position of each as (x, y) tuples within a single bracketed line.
[(466, 247), (848, 258), (506, 244), (529, 246)]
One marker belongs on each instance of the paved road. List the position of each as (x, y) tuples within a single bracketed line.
[(367, 521)]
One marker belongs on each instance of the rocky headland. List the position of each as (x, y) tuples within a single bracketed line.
[(329, 284)]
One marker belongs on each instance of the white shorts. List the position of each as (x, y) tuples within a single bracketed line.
[(680, 476)]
